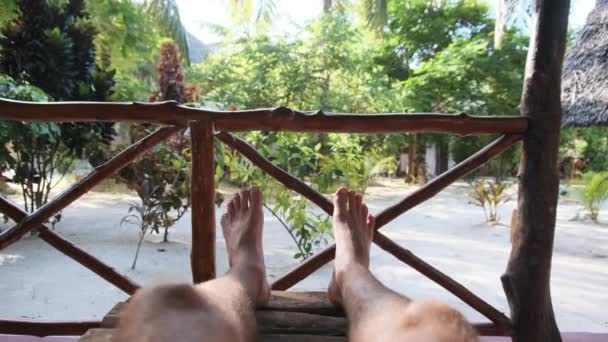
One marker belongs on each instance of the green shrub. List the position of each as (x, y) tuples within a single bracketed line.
[(489, 195), (595, 193)]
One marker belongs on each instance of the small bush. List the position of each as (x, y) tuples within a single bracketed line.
[(595, 193), (489, 195)]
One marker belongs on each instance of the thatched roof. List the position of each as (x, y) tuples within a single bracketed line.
[(585, 74)]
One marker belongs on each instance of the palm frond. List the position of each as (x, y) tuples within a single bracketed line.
[(166, 12)]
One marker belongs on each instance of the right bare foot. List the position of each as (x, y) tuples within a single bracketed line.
[(353, 231), (242, 226)]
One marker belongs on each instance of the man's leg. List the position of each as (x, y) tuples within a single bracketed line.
[(376, 313), (217, 310)]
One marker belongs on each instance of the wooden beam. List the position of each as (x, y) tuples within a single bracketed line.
[(66, 247), (276, 119), (490, 329), (276, 172), (48, 328), (159, 112), (425, 192), (285, 119), (81, 187), (442, 279), (527, 278), (203, 201)]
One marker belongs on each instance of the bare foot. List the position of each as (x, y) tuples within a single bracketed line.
[(242, 226), (353, 231)]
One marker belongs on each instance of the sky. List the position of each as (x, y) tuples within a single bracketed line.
[(290, 15)]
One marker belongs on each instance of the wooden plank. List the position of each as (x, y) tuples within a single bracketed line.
[(528, 275), (46, 328), (282, 322), (315, 302), (97, 335), (442, 279), (275, 119), (424, 193), (105, 335), (81, 187), (301, 315), (203, 201), (69, 249)]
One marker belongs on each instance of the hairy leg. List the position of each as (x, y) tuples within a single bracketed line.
[(375, 312), (217, 310)]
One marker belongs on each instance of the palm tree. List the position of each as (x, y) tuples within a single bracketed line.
[(244, 12), (166, 13), (336, 5)]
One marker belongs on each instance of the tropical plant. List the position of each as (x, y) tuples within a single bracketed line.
[(349, 164), (41, 153), (489, 196), (166, 13), (595, 193), (308, 230), (58, 36), (128, 38), (162, 178), (171, 84), (376, 13), (145, 216), (9, 10)]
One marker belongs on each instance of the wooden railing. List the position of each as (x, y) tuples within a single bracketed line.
[(205, 126)]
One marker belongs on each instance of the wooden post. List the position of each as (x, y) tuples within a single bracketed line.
[(527, 278), (202, 193)]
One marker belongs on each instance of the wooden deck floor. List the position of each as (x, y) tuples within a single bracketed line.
[(299, 317)]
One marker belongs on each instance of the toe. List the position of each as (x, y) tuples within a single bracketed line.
[(256, 197), (363, 213), (358, 203), (231, 208), (236, 201), (371, 224), (340, 201), (244, 199), (352, 202), (225, 220)]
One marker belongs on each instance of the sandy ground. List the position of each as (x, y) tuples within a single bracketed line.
[(37, 282)]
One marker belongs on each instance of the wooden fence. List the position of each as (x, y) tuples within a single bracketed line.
[(207, 125)]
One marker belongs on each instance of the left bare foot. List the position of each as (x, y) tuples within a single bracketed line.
[(242, 226), (353, 231)]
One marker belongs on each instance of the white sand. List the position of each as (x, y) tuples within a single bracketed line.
[(38, 282)]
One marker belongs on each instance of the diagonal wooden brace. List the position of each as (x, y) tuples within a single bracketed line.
[(80, 188), (66, 247)]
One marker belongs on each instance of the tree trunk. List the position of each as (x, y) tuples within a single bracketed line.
[(411, 160), (421, 163), (527, 278), (442, 155)]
